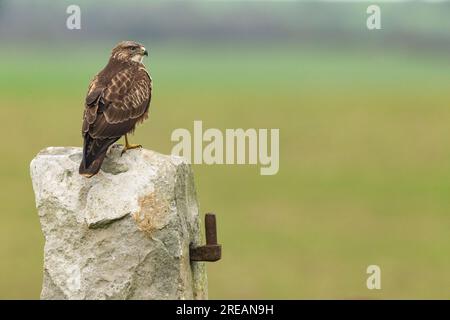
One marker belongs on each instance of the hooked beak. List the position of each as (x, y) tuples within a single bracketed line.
[(145, 52)]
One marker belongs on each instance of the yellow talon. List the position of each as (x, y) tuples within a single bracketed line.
[(129, 146)]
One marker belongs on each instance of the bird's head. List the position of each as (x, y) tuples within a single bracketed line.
[(129, 51)]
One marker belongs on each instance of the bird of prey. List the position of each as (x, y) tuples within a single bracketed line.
[(118, 98)]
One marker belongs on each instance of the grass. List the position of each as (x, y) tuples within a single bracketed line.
[(364, 166)]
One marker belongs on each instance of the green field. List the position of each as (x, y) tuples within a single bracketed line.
[(364, 166)]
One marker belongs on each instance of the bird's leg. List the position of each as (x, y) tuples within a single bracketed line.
[(129, 146)]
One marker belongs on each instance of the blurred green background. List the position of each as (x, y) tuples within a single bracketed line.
[(364, 134)]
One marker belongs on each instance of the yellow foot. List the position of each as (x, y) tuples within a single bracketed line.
[(130, 146)]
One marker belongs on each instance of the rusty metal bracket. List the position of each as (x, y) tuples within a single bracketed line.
[(211, 251)]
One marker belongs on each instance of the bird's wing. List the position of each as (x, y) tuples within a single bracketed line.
[(91, 103), (113, 109)]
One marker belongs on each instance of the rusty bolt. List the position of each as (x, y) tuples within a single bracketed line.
[(211, 251)]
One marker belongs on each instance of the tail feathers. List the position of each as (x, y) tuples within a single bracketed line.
[(94, 152)]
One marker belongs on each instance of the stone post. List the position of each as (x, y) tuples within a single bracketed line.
[(122, 234)]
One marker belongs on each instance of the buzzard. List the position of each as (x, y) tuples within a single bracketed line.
[(118, 98)]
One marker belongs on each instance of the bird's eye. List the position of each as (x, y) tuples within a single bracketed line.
[(133, 48)]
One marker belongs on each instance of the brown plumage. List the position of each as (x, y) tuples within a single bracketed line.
[(118, 98)]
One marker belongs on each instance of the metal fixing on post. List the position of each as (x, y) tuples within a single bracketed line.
[(211, 251)]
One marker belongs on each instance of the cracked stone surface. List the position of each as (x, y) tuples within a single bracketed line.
[(122, 234)]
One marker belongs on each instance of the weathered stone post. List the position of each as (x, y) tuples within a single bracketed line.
[(122, 234)]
